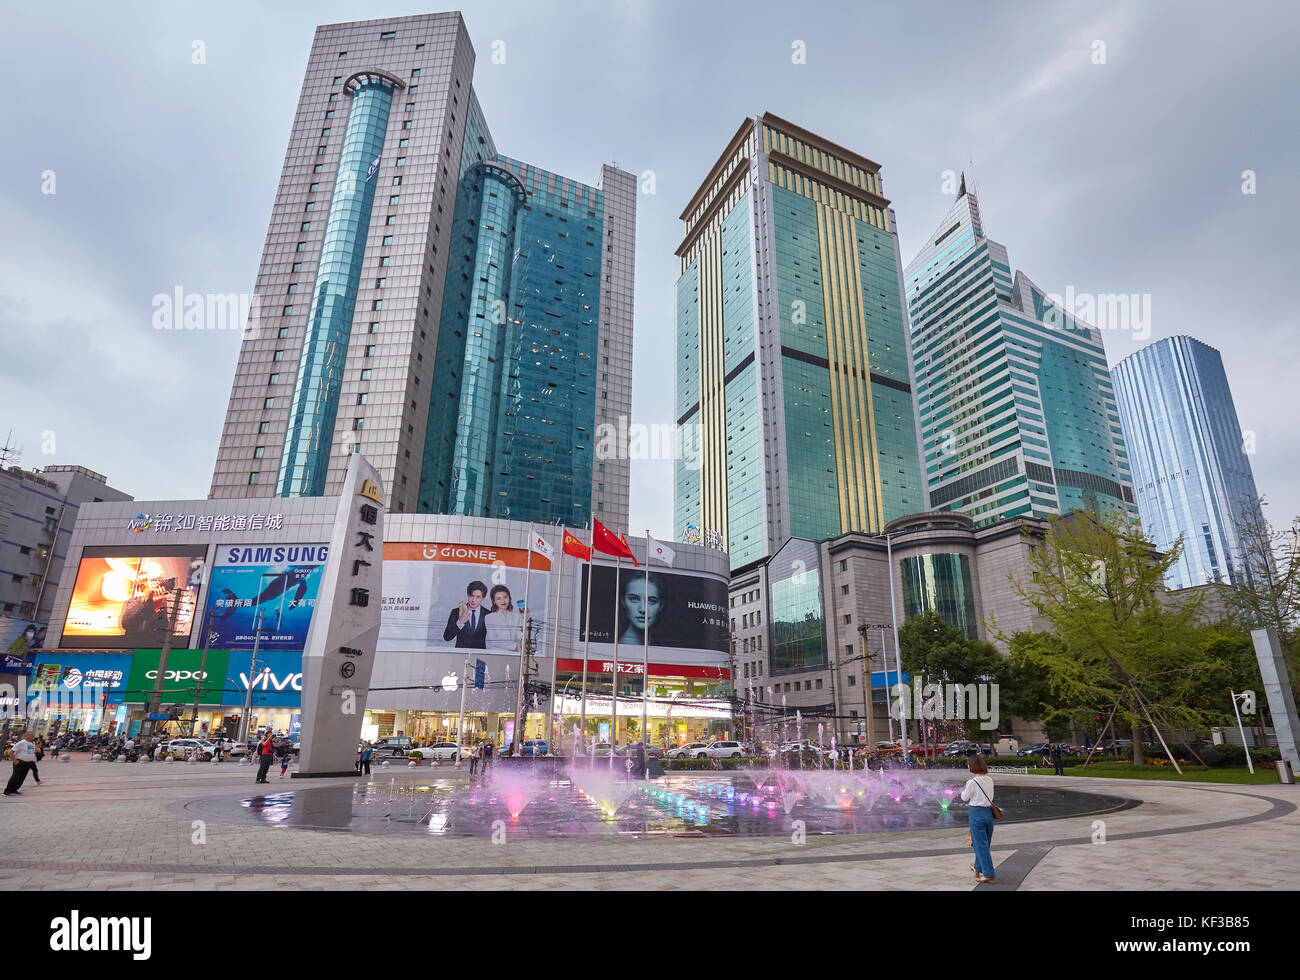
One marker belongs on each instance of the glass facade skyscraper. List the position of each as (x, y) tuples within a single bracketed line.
[(793, 364), (462, 318), (1190, 467), (1017, 410)]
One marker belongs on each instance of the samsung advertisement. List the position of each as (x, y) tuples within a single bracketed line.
[(276, 582), (125, 598), (681, 611), (444, 597)]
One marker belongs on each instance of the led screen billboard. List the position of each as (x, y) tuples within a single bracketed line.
[(123, 598), (680, 610)]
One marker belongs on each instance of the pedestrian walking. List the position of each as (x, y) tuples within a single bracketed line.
[(366, 753), (266, 754), (24, 758), (38, 746), (978, 793), (488, 748), (473, 760), (285, 751)]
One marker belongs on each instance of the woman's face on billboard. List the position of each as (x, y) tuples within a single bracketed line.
[(642, 605), (501, 598)]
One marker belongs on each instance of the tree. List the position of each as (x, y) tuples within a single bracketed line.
[(1268, 590), (935, 650), (1121, 645)]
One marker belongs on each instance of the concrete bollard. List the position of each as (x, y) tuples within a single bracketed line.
[(65, 757)]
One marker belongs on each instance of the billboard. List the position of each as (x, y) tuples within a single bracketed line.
[(279, 580), (185, 668), (81, 677), (442, 597), (122, 598), (277, 682), (680, 610)]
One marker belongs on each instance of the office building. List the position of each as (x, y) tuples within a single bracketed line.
[(812, 625), (1017, 411), (1190, 465), (462, 317), (793, 379), (38, 510)]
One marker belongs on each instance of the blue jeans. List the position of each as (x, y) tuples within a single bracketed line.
[(981, 836)]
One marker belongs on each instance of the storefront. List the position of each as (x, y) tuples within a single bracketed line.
[(78, 692)]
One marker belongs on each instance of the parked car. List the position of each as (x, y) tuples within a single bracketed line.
[(812, 747), (534, 746), (1038, 748), (441, 751), (688, 751), (721, 750), (396, 746), (183, 748), (961, 747), (229, 746)]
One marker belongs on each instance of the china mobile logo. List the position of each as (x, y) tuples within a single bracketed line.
[(963, 702), (98, 934)]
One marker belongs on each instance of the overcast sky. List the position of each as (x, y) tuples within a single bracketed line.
[(1115, 177)]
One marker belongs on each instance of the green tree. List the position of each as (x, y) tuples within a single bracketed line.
[(1268, 590), (935, 650), (1123, 646)]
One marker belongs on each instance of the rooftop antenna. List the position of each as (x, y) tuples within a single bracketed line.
[(9, 453)]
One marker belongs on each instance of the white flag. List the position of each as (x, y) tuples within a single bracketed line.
[(542, 548), (660, 551)]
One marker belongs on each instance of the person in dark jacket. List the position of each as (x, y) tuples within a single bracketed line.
[(1057, 764)]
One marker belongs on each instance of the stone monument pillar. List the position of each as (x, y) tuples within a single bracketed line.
[(1277, 686), (340, 650)]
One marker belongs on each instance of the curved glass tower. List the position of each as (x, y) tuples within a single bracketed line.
[(305, 462), (1185, 444)]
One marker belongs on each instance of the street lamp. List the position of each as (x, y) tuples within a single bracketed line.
[(1237, 711), (893, 618)]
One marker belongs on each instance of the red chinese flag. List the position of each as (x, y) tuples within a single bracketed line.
[(607, 542), (572, 546)]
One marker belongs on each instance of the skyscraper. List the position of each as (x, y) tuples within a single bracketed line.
[(793, 363), (463, 318), (1190, 467), (1017, 410)]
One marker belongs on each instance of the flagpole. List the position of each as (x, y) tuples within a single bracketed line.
[(645, 661), (521, 709), (613, 701), (586, 639), (555, 639)]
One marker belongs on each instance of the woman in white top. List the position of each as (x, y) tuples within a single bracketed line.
[(979, 795), (505, 623)]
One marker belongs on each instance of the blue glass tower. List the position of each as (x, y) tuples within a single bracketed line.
[(1191, 471), (462, 319)]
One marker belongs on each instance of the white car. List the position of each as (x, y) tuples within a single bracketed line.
[(691, 750), (441, 751), (230, 747), (183, 748), (721, 750)]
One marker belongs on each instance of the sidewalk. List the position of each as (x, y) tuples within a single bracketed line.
[(116, 825)]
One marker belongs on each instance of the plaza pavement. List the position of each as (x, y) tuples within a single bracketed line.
[(101, 826)]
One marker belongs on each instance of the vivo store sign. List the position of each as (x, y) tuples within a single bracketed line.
[(276, 682)]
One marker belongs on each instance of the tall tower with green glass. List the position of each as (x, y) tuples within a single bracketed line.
[(1017, 408), (794, 383)]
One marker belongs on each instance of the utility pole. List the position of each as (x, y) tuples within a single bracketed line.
[(155, 699), (521, 709), (198, 686), (252, 677)]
